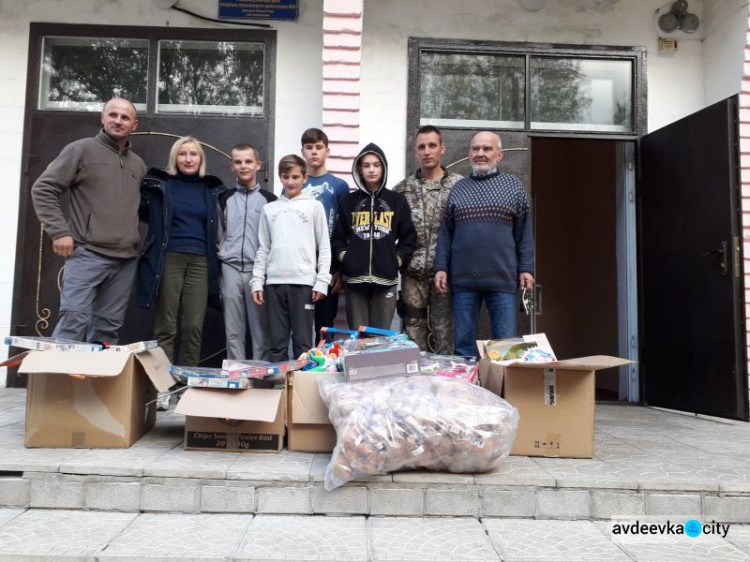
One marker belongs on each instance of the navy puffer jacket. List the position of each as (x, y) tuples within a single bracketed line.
[(156, 210)]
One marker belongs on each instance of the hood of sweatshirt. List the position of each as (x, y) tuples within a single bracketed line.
[(371, 148), (300, 197)]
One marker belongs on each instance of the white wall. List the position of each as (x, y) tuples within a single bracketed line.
[(699, 73), (298, 92), (675, 81), (723, 48)]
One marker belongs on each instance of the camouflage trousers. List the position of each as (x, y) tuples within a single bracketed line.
[(433, 331)]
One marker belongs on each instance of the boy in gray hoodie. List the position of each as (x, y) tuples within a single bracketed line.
[(239, 218), (293, 261)]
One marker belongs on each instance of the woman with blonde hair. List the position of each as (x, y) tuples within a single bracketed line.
[(178, 264)]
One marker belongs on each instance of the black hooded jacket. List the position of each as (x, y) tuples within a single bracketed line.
[(374, 236)]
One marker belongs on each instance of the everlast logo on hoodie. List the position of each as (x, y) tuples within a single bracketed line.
[(381, 221)]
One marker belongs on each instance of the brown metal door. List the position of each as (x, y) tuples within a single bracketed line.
[(38, 270), (692, 318)]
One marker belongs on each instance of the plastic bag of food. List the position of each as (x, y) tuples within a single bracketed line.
[(435, 423)]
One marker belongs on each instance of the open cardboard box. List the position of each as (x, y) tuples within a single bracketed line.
[(309, 428), (85, 399), (233, 420), (555, 401)]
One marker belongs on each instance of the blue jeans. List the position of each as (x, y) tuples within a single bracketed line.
[(466, 307)]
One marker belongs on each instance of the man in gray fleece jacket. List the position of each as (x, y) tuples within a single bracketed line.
[(99, 240)]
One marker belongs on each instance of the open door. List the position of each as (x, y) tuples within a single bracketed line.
[(692, 316)]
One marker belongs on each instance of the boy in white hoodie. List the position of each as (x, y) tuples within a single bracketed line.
[(293, 262)]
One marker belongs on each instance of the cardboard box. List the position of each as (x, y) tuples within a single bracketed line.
[(308, 427), (381, 362), (556, 404), (233, 420), (95, 400)]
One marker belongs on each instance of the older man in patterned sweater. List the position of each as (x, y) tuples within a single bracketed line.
[(485, 247), (427, 314)]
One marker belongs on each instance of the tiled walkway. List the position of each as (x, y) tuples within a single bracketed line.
[(155, 501)]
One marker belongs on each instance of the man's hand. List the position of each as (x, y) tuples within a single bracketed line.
[(441, 282), (337, 283), (63, 246), (258, 297), (316, 296), (526, 280)]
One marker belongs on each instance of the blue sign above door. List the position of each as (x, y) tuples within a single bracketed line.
[(286, 10)]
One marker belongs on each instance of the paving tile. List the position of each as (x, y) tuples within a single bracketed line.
[(289, 537), (12, 415), (739, 536), (12, 436), (686, 549), (179, 537), (36, 460), (319, 467), (516, 471), (587, 473), (662, 474), (8, 514), (178, 463), (547, 540), (114, 462), (425, 477), (434, 539), (57, 534), (289, 466)]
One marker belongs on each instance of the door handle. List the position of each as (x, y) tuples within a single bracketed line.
[(724, 258), (538, 300)]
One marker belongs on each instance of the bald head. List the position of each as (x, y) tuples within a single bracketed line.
[(484, 152)]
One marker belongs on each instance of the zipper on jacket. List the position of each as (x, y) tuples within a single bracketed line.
[(244, 232), (372, 221), (122, 164)]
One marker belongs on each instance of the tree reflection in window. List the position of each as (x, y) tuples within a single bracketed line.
[(81, 73), (210, 77), (472, 87), (581, 94)]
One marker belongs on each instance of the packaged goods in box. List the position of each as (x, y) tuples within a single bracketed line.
[(449, 366), (233, 420), (375, 358), (50, 344), (101, 399), (415, 422), (308, 427)]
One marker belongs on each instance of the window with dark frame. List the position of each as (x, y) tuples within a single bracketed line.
[(526, 86)]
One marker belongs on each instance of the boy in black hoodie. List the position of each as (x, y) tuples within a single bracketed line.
[(374, 238)]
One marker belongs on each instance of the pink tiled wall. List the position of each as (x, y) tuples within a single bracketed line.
[(342, 53), (745, 175)]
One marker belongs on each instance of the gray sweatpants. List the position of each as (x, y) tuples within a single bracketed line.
[(95, 294), (240, 311)]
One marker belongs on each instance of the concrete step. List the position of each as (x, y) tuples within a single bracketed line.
[(648, 462), (38, 534)]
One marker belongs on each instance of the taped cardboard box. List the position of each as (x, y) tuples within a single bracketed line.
[(556, 403), (308, 427), (233, 420), (93, 400)]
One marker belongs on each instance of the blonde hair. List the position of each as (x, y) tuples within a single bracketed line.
[(179, 143)]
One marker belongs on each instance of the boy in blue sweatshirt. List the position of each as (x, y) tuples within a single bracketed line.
[(328, 189)]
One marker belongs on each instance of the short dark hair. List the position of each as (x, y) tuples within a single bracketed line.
[(430, 129), (290, 161), (313, 135), (246, 146)]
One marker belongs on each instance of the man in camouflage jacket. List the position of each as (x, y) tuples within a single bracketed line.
[(426, 313)]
